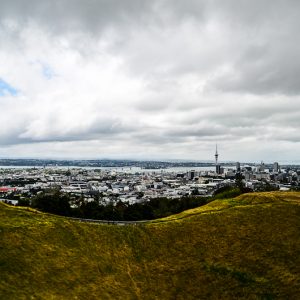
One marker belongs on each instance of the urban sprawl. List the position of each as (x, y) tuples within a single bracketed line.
[(136, 185)]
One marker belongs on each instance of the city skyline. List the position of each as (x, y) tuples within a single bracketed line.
[(16, 161), (150, 80)]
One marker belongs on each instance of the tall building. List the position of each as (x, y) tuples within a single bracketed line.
[(218, 167), (262, 167), (191, 174), (276, 167), (238, 167)]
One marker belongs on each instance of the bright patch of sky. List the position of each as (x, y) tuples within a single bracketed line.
[(7, 89), (47, 71)]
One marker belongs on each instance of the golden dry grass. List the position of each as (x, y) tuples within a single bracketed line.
[(242, 248)]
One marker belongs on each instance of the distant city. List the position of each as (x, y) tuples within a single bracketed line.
[(111, 163), (111, 181)]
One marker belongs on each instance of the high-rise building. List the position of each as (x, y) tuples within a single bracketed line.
[(262, 167), (218, 167), (238, 167), (275, 167), (191, 174)]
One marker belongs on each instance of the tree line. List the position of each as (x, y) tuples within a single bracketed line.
[(56, 202)]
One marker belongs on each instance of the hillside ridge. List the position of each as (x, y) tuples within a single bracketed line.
[(247, 247)]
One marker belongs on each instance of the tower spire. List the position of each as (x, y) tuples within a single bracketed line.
[(216, 155), (218, 168)]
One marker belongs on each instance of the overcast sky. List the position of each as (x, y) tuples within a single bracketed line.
[(165, 79)]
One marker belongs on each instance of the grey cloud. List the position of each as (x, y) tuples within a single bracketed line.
[(271, 73), (197, 131), (182, 135), (244, 53), (105, 129), (267, 59), (152, 105), (156, 137), (151, 38), (160, 95), (92, 14), (64, 15)]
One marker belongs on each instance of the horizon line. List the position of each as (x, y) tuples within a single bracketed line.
[(296, 162)]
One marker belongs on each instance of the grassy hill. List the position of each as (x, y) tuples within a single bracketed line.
[(247, 247)]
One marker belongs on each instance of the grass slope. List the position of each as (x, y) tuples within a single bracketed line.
[(247, 247)]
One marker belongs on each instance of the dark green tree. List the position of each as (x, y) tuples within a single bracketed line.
[(239, 181), (52, 201)]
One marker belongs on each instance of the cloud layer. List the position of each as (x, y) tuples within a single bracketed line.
[(150, 79)]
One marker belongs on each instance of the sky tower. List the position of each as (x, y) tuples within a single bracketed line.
[(216, 155), (218, 168)]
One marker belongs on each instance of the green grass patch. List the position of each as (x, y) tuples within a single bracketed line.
[(242, 248)]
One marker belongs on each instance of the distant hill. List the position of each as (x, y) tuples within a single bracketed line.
[(242, 248)]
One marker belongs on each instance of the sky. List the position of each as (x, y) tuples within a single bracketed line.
[(157, 80)]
